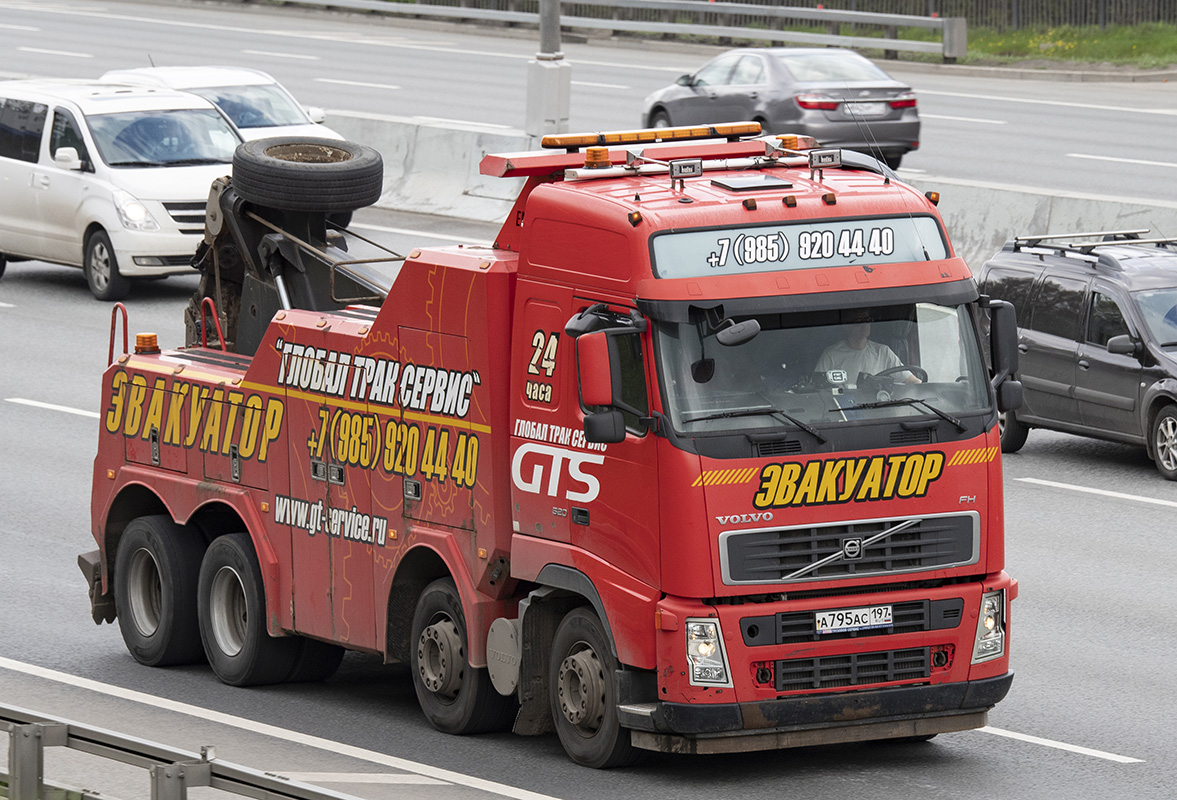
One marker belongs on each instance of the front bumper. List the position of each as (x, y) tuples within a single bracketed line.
[(904, 711)]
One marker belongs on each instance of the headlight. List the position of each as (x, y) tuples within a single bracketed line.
[(705, 653), (990, 643), (133, 214)]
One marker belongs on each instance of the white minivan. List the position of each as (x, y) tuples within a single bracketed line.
[(253, 100), (113, 179)]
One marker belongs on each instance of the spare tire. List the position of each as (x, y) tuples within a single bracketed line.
[(302, 174)]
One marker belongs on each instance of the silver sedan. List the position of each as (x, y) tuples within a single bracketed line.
[(836, 96)]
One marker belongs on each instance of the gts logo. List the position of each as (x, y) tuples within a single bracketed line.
[(744, 519)]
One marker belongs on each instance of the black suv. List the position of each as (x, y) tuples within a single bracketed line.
[(1097, 335)]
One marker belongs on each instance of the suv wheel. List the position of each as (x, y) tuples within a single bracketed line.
[(1013, 433), (1164, 442), (102, 269)]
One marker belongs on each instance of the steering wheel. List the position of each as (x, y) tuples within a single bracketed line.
[(919, 372)]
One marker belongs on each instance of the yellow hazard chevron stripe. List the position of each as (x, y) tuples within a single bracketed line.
[(724, 477), (976, 455)]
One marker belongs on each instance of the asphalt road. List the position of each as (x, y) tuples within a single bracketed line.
[(1091, 713), (1106, 139)]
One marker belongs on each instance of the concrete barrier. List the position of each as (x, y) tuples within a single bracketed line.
[(432, 168)]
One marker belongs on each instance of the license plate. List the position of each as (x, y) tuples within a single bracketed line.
[(853, 619), (867, 109)]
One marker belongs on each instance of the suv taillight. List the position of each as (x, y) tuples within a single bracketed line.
[(904, 101), (818, 101)]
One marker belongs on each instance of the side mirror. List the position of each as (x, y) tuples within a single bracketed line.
[(1009, 395), (1122, 345), (1003, 339), (605, 427), (596, 369), (684, 80), (67, 158), (316, 114)]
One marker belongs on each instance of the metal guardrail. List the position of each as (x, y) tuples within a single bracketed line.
[(660, 16), (171, 771)]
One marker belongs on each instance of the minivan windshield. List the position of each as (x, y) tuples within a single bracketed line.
[(256, 106), (821, 369), (163, 138)]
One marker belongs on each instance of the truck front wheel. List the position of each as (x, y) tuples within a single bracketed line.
[(583, 696), (232, 610), (456, 697), (155, 576)]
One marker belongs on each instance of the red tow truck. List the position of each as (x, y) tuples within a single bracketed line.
[(702, 455)]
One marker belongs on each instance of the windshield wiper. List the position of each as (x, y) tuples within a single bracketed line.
[(906, 401), (756, 412)]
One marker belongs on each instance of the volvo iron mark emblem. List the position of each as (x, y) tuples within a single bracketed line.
[(852, 548)]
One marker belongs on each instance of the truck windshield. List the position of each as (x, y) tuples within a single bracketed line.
[(815, 370)]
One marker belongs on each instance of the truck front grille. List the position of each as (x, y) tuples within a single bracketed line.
[(852, 669), (860, 549)]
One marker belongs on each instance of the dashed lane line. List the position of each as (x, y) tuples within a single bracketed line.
[(53, 407), (1101, 492), (1071, 748)]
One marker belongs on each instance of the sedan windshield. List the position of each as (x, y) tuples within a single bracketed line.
[(835, 66), (258, 106), (164, 138), (819, 370)]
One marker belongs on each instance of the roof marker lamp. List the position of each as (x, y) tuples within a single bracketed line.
[(705, 653), (132, 214), (990, 642)]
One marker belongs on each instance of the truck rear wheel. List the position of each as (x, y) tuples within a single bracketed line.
[(232, 610), (155, 578), (456, 697), (313, 175), (583, 696)]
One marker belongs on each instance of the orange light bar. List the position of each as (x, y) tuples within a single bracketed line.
[(792, 141), (729, 130)]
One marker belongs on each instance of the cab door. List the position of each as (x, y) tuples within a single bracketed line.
[(1049, 350), (1107, 385)]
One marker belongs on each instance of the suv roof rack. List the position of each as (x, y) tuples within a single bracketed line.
[(1051, 240)]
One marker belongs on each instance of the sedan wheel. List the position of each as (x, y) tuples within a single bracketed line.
[(1164, 441)]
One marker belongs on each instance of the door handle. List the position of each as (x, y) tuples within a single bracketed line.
[(1022, 348), (1084, 363), (44, 181)]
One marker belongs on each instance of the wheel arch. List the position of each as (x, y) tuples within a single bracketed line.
[(1161, 394), (418, 568)]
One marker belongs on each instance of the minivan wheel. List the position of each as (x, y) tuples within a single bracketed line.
[(1164, 442), (660, 119), (1013, 433), (102, 269)]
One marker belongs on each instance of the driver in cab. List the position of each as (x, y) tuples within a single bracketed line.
[(855, 353)]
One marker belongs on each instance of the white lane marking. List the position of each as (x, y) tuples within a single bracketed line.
[(1101, 492), (464, 122), (358, 83), (19, 27), (1167, 112), (409, 232), (54, 52), (601, 85), (1071, 748), (273, 731), (7, 305), (1124, 160), (51, 407), (360, 777), (345, 39), (964, 119), (272, 54)]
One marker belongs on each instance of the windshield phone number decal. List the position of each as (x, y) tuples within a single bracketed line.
[(763, 248), (830, 243)]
